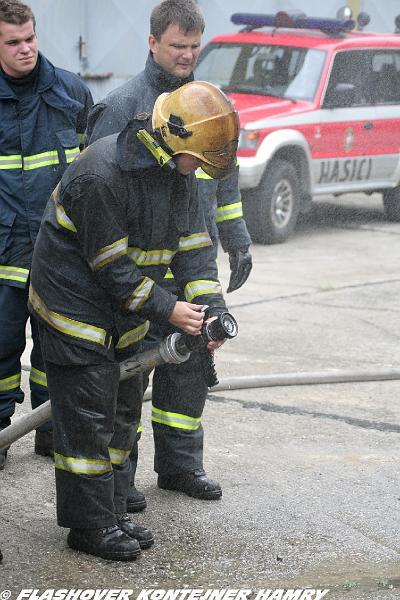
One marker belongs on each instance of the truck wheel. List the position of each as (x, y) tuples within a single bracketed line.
[(391, 204), (272, 209)]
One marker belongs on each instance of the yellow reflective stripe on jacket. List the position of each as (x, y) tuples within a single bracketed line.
[(81, 137), (150, 257), (118, 457), (140, 295), (10, 383), (44, 159), (201, 175), (71, 154), (109, 253), (140, 427), (81, 466), (133, 336), (229, 211), (169, 274), (38, 377), (176, 420), (61, 215), (194, 241), (11, 161), (14, 273), (65, 325), (200, 287)]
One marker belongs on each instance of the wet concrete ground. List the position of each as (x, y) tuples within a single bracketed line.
[(310, 474)]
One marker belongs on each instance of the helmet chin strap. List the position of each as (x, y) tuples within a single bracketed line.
[(161, 156)]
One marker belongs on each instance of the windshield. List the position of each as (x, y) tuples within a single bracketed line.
[(282, 71)]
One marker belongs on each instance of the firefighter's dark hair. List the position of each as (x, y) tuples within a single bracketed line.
[(16, 13), (184, 13)]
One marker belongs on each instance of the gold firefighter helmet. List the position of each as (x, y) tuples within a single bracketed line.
[(198, 119)]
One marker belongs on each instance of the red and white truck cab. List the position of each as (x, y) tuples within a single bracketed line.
[(319, 107)]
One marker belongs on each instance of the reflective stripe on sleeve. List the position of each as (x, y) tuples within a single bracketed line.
[(201, 175), (229, 211), (109, 254), (71, 154), (14, 273), (194, 241), (61, 216), (65, 325), (133, 336), (140, 295), (150, 257), (200, 287), (81, 466), (38, 377), (175, 420), (10, 383)]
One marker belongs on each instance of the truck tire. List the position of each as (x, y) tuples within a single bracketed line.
[(391, 204), (272, 209)]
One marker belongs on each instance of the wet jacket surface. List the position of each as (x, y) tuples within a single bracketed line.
[(112, 228), (39, 137)]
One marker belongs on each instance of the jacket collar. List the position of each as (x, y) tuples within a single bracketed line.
[(46, 78), (160, 79)]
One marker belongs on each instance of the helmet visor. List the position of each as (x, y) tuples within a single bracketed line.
[(220, 163)]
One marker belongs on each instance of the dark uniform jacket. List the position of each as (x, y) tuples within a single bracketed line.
[(112, 228), (39, 137)]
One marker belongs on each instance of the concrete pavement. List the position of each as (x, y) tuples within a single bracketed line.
[(310, 474)]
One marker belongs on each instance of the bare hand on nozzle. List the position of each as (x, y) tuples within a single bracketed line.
[(188, 317)]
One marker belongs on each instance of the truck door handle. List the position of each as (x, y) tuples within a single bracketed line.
[(368, 125)]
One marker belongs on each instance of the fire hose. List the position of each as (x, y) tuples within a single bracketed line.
[(175, 348)]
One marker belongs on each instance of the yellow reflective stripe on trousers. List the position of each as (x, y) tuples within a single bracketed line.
[(44, 159), (147, 258), (11, 161), (109, 254), (140, 295), (194, 241), (229, 211), (64, 324), (61, 215), (14, 274), (118, 457), (133, 336), (71, 154), (201, 287), (140, 427), (175, 420), (10, 383), (81, 466), (38, 377)]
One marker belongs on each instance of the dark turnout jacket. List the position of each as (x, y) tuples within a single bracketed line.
[(114, 225)]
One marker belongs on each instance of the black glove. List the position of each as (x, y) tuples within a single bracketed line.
[(241, 263)]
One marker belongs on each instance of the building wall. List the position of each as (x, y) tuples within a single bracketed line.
[(106, 40)]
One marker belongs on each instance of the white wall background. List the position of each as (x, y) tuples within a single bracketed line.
[(115, 32)]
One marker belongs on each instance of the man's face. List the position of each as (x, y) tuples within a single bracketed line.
[(18, 48), (176, 52), (186, 163)]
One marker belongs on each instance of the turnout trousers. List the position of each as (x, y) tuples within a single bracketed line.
[(13, 319), (178, 395), (95, 422)]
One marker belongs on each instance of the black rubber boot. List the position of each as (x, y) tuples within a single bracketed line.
[(194, 483), (3, 452), (141, 534), (136, 501), (44, 443), (109, 543)]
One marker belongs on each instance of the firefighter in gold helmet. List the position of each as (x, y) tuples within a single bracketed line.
[(124, 212)]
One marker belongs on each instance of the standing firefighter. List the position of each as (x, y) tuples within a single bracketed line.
[(43, 113), (124, 212), (179, 392)]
